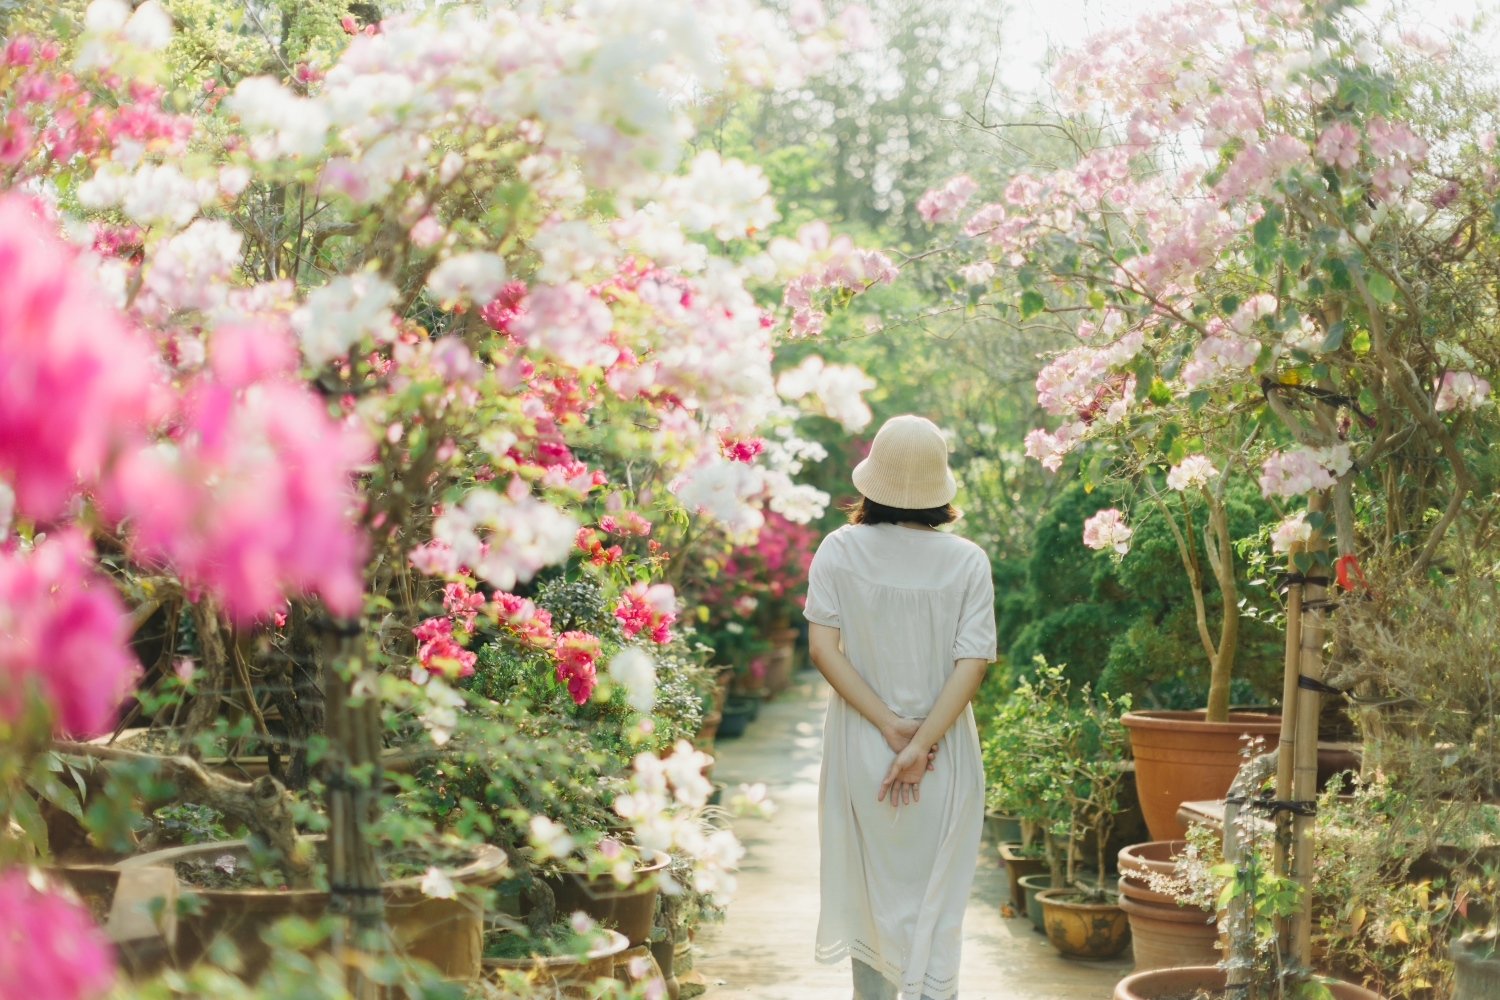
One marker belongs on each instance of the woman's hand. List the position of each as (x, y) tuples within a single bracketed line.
[(904, 777), (898, 734)]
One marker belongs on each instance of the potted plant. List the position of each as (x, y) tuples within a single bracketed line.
[(1167, 930)]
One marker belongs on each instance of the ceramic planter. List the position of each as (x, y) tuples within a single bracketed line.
[(735, 717), (708, 730), (778, 661), (449, 933), (1016, 868), (1031, 886), (1476, 967), (1081, 929), (1179, 757), (1172, 982), (1002, 829), (628, 909), (1168, 936), (565, 973)]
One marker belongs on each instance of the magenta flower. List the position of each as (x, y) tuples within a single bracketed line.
[(575, 653), (49, 947), (62, 632)]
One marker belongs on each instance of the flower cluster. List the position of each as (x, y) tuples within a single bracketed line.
[(439, 652), (647, 608), (1288, 474), (942, 204), (574, 653), (50, 948), (1460, 391), (1107, 530), (1192, 473)]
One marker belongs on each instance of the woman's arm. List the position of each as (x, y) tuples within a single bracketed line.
[(823, 645), (905, 773)]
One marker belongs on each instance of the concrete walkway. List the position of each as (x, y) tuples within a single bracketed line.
[(764, 949)]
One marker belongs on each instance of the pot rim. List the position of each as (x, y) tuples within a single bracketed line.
[(1212, 977), (1168, 912), (487, 868), (1053, 897), (616, 943), (1177, 720), (1023, 879)]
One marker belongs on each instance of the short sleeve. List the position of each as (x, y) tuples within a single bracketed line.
[(976, 621), (822, 597)]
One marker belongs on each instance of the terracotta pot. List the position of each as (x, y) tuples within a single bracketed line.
[(779, 660), (628, 909), (1179, 757), (1031, 887), (568, 973), (1079, 929), (1168, 936), (1016, 867), (449, 933), (1140, 891), (1166, 982), (1476, 967), (708, 730)]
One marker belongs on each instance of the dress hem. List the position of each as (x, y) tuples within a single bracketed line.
[(928, 989)]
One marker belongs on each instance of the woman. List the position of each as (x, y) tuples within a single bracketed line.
[(902, 626)]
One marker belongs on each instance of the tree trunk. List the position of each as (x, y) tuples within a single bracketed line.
[(352, 773), (213, 680), (1221, 559)]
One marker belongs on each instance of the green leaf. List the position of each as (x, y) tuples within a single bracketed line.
[(24, 811), (1381, 288), (1302, 561), (1144, 368), (1334, 338), (1265, 230), (1096, 300), (1196, 399), (1031, 304), (1361, 342), (1316, 519), (1229, 303), (45, 784), (1159, 394)]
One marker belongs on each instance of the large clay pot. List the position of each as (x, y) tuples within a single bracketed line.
[(1031, 887), (1168, 936), (568, 974), (1476, 967), (1016, 868), (449, 933), (1002, 829), (1169, 982), (628, 909), (707, 731), (1179, 758), (1081, 929)]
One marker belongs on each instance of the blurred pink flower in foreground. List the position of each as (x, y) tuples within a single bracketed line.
[(63, 629), (75, 380), (49, 947)]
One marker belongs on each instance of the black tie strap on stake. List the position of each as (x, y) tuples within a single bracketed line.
[(1297, 807), (1319, 603), (1307, 683), (1285, 580)]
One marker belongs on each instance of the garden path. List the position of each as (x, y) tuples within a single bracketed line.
[(764, 949)]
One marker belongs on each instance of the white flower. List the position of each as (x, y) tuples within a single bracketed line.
[(634, 670), (752, 800), (153, 193), (149, 27), (549, 839), (340, 314), (1293, 529), (225, 864), (1304, 470), (191, 270), (726, 197), (569, 250), (106, 15), (1193, 474), (524, 534), (721, 489), (233, 179), (1460, 390), (581, 922), (800, 503), (441, 714), (1107, 530), (838, 388), (282, 123), (436, 884), (569, 323), (1305, 337), (467, 277), (977, 273)]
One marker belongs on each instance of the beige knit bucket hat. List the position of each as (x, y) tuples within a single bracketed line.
[(907, 466)]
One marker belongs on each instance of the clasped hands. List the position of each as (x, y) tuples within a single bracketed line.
[(903, 778)]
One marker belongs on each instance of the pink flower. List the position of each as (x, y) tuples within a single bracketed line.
[(1338, 145), (533, 623), (943, 204), (1289, 474), (254, 501), (742, 449), (985, 220), (575, 653), (1460, 390), (647, 609), (1107, 530), (568, 322), (76, 383), (50, 948), (462, 603), (64, 631)]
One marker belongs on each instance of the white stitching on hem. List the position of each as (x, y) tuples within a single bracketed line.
[(929, 988)]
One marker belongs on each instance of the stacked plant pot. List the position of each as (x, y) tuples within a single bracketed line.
[(1166, 935)]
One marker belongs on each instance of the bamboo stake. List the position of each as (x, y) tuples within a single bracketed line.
[(1305, 771), (1287, 748)]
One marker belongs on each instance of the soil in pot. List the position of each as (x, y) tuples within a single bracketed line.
[(1179, 758), (1081, 927), (1204, 983), (566, 971), (1020, 862)]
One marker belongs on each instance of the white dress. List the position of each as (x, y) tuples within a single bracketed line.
[(895, 883)]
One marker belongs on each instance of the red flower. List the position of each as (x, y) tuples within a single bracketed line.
[(575, 653)]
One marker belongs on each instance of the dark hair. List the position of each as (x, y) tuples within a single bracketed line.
[(867, 511)]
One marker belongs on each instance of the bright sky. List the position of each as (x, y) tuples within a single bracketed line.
[(1032, 25)]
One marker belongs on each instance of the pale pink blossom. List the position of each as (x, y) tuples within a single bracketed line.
[(1293, 530), (1107, 530), (1049, 449), (858, 31), (1460, 390), (977, 273), (1192, 473), (942, 204), (1304, 470), (1216, 354), (1338, 145), (985, 220), (62, 634), (568, 322)]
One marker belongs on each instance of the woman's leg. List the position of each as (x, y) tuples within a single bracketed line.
[(871, 985)]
